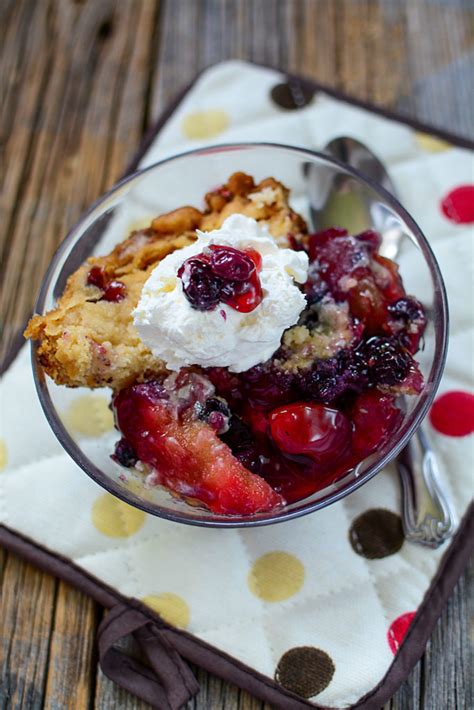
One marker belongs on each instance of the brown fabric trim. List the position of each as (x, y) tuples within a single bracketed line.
[(168, 683), (192, 648), (453, 138), (315, 86), (232, 670)]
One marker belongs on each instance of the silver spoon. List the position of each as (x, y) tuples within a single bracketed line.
[(427, 513)]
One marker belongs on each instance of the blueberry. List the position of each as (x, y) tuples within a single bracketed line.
[(201, 286), (239, 435), (125, 454), (215, 411), (215, 404), (407, 309)]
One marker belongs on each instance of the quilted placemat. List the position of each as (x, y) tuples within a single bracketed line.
[(332, 609)]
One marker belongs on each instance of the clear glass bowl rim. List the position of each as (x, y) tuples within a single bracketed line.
[(417, 416)]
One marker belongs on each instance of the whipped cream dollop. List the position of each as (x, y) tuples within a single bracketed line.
[(180, 335)]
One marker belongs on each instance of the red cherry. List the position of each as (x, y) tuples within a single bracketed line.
[(231, 264), (375, 417), (256, 257), (250, 297), (311, 429), (97, 277), (114, 291)]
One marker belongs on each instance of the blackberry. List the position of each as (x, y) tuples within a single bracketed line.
[(329, 379), (267, 385), (385, 360)]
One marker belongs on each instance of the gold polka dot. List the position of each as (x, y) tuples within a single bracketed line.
[(3, 454), (276, 576), (89, 415), (431, 144), (114, 518), (205, 124), (172, 608)]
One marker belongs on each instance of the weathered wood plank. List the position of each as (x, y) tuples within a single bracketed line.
[(72, 653), (89, 123), (440, 45), (216, 694), (3, 562), (26, 615)]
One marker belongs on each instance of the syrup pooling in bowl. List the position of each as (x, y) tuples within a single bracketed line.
[(294, 424)]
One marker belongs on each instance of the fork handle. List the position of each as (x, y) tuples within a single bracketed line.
[(427, 516)]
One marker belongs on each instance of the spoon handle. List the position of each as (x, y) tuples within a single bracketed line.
[(427, 516)]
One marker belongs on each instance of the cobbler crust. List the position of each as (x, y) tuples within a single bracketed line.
[(88, 342)]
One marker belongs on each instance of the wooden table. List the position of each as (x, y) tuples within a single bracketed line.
[(82, 80)]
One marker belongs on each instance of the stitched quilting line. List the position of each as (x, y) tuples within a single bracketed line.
[(268, 609), (234, 662), (126, 543), (370, 572), (261, 604)]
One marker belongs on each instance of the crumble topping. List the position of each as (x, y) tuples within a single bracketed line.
[(332, 332)]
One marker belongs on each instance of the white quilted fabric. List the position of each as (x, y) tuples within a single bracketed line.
[(339, 601)]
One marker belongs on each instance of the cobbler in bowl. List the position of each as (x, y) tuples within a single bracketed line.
[(253, 364)]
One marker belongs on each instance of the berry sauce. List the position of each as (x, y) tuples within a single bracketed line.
[(298, 422), (222, 275)]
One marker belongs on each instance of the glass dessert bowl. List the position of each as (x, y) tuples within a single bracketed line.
[(306, 412)]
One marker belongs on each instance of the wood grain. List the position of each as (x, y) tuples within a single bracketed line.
[(72, 653), (82, 131), (27, 616), (81, 81)]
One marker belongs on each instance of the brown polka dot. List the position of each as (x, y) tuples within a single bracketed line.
[(305, 670), (291, 95), (376, 533)]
